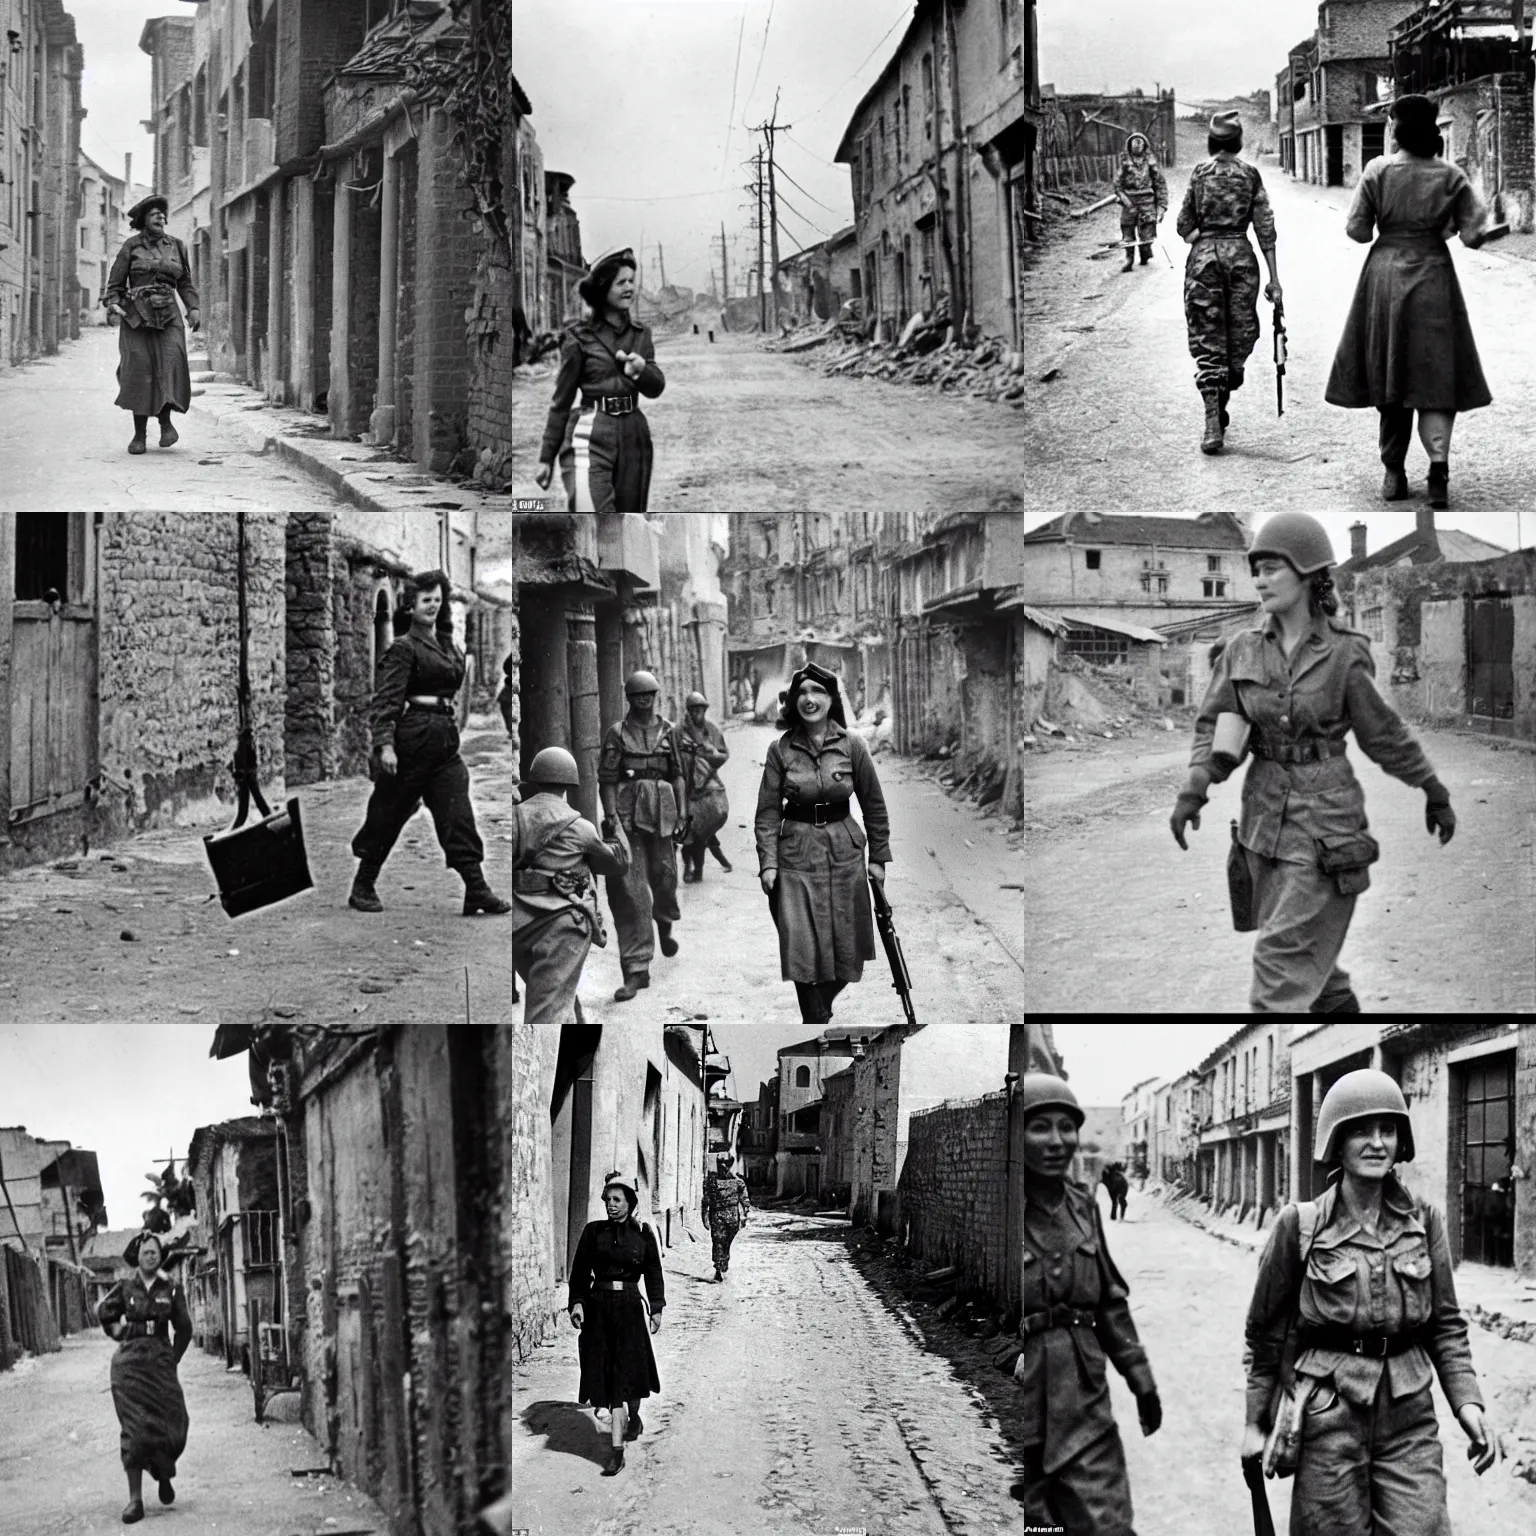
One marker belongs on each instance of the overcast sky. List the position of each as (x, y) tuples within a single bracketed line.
[(127, 1092), (1509, 530), (115, 87), (648, 105)]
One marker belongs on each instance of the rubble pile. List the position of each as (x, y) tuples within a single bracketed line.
[(1087, 702)]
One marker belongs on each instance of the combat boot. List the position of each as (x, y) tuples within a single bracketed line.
[(1213, 439), (1440, 484), (1340, 1002), (636, 1427), (1130, 258), (1394, 484), (364, 898), (1223, 396), (1146, 254), (634, 981), (668, 943), (478, 896)]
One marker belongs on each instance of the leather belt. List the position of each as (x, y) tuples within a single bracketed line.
[(433, 706), (543, 882), (1223, 229), (140, 1330), (645, 773), (821, 814), (1373, 1346), (1314, 749), (616, 1285), (613, 405), (1058, 1316)]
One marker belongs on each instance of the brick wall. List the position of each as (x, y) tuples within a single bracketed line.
[(311, 649), (1357, 29), (1525, 1149), (363, 330), (1490, 139), (405, 310), (169, 657), (313, 38), (490, 338), (954, 1189), (354, 594)]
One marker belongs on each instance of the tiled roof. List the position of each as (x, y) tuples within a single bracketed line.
[(383, 53), (1169, 532)]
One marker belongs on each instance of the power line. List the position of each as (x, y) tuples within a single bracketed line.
[(784, 202), (796, 185), (867, 57), (674, 197), (730, 121), (761, 50), (811, 152)]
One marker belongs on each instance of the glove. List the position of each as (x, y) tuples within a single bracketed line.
[(680, 831), (1186, 813), (1149, 1409), (1438, 815)]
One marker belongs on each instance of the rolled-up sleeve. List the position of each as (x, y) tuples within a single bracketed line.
[(1270, 1310), (1379, 729), (1220, 698), (1448, 1346), (866, 785), (390, 694), (770, 795)]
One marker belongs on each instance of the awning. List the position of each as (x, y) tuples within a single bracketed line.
[(1041, 618), (1116, 626)]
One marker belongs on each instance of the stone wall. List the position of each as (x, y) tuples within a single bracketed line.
[(311, 637), (1525, 1150), (169, 659), (531, 1291), (954, 1189)]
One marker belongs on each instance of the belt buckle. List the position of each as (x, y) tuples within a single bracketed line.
[(819, 814)]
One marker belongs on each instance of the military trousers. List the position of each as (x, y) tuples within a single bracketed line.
[(1373, 1471), (549, 957), (647, 892), (1138, 226), (1302, 923), (721, 1235), (1089, 1496), (431, 770), (1221, 309)]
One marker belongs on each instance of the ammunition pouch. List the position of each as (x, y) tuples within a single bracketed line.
[(1240, 886), (154, 304), (1348, 859)]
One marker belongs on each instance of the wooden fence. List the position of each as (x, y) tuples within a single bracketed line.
[(26, 1321), (1069, 170)]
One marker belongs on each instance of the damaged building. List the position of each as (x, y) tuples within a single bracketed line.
[(1083, 137)]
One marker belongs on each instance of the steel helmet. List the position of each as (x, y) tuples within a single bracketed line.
[(1297, 537), (554, 765), (641, 682), (695, 698), (1041, 1090), (1361, 1095)]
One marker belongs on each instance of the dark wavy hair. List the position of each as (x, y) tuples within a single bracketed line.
[(1215, 146), (1321, 593), (1418, 138), (595, 285), (414, 586)]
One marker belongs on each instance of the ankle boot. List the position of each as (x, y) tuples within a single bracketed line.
[(134, 1512), (364, 898), (478, 896), (1222, 397), (634, 981), (668, 943), (168, 433), (167, 1491), (140, 425), (1130, 259), (615, 1463), (1394, 484), (1146, 254), (1212, 441), (1440, 484)]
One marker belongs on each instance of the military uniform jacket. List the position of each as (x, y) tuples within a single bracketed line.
[(1224, 197), (796, 772), (132, 1310), (1062, 1370), (141, 262), (1326, 689), (550, 837), (588, 368), (1143, 184), (1390, 1281), (725, 1199), (641, 761), (617, 1251), (413, 666)]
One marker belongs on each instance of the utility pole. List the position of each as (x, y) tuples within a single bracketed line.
[(762, 293), (661, 263), (768, 129), (725, 277)]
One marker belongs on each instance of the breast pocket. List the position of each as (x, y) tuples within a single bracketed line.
[(1413, 1269), (1330, 1284), (1085, 1274)]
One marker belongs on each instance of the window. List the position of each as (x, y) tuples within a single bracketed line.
[(896, 130), (42, 555), (869, 168), (928, 97), (1214, 588), (906, 113), (1092, 556), (1371, 621), (885, 154), (802, 1077), (1160, 577), (1213, 563)]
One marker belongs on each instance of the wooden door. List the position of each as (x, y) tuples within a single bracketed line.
[(1488, 1130), (53, 665), (1491, 657)]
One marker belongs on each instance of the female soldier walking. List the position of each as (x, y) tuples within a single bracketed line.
[(1074, 1316), (144, 1312), (1362, 1278), (617, 1365), (610, 360), (1302, 680), (810, 851), (1407, 344), (416, 744)]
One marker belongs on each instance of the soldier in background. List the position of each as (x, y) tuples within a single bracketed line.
[(556, 854), (640, 780), (703, 746), (1142, 192), (1221, 277), (726, 1211)]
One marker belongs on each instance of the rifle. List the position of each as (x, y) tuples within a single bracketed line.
[(1280, 355), (887, 926), (1253, 1475)]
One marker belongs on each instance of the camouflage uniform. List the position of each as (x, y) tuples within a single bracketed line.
[(725, 1212), (1140, 184), (1221, 275)]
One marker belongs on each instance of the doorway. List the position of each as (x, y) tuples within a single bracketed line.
[(1488, 1142), (1373, 142), (1491, 657), (1333, 136), (570, 1119)]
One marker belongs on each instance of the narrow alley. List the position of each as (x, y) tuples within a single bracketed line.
[(60, 1475)]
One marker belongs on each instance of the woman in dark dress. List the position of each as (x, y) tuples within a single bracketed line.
[(151, 269), (1407, 344), (610, 361), (416, 752), (147, 1314), (618, 1367), (811, 852)]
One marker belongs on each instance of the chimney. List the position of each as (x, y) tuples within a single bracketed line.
[(1426, 522), (1357, 541)]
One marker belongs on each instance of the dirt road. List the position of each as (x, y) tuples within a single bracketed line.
[(1120, 921), (959, 927), (60, 1474)]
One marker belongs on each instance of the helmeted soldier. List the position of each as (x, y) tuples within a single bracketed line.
[(726, 1211), (1354, 1302), (641, 782), (1301, 681), (704, 749), (1221, 279), (1141, 189), (556, 854), (1074, 1316)]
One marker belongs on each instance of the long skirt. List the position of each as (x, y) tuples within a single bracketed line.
[(607, 463), (152, 369), (150, 1407), (1407, 340), (821, 902), (617, 1364)]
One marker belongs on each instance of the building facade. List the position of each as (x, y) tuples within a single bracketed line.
[(40, 211), (1244, 1122), (104, 203), (1175, 1135), (803, 1068)]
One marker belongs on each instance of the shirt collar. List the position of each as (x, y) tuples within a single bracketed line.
[(800, 737), (1317, 629)]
